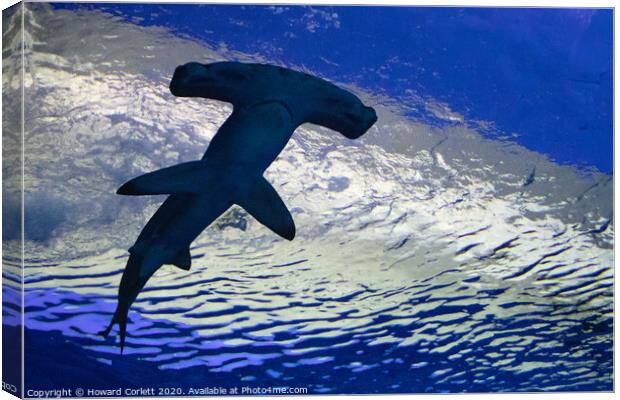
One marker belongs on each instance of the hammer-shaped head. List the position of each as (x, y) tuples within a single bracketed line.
[(308, 98)]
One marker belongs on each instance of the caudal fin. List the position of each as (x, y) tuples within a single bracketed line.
[(120, 318), (263, 202), (128, 290)]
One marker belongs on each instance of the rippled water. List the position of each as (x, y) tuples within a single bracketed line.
[(428, 258)]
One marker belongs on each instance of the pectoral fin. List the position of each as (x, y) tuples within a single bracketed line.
[(185, 178), (183, 260), (263, 202)]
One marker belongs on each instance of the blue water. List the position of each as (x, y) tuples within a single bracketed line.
[(542, 74), (464, 244)]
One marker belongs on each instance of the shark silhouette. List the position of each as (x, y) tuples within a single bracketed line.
[(269, 103)]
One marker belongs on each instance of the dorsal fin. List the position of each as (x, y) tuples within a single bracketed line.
[(183, 260)]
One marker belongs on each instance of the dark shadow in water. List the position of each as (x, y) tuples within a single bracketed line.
[(269, 103)]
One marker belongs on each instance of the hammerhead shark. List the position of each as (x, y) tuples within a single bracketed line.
[(269, 103)]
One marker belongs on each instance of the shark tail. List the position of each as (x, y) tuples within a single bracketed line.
[(120, 318), (128, 290), (253, 193)]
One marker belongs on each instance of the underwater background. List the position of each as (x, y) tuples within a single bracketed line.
[(464, 244)]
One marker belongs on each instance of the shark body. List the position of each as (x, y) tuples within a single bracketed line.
[(269, 103)]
